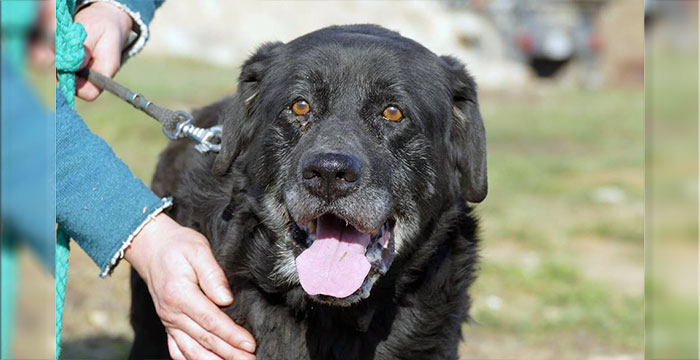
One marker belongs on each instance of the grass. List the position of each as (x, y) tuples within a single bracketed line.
[(546, 231), (672, 206), (562, 273)]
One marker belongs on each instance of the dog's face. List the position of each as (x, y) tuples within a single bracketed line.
[(355, 138)]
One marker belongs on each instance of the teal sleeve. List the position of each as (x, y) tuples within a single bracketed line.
[(99, 202)]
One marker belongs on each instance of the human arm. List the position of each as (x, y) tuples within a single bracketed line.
[(106, 210)]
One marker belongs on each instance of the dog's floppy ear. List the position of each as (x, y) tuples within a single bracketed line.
[(467, 137), (237, 130)]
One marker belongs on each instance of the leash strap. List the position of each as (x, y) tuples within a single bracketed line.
[(176, 124), (69, 56)]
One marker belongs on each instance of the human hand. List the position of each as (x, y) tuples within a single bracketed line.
[(175, 262), (108, 29)]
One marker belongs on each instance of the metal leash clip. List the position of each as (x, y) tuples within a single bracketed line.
[(208, 139)]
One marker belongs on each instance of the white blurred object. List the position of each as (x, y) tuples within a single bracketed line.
[(494, 302), (226, 32), (609, 195), (98, 318), (557, 45)]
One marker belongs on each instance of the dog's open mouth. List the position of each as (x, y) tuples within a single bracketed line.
[(340, 261)]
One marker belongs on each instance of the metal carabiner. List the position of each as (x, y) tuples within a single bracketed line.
[(187, 119), (208, 139)]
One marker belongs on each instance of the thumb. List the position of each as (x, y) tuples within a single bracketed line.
[(211, 277)]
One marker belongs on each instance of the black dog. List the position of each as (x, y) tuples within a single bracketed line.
[(337, 206)]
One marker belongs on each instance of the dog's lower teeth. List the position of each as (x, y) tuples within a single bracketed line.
[(365, 289), (374, 252)]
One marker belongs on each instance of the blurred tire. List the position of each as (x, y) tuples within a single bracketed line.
[(545, 67)]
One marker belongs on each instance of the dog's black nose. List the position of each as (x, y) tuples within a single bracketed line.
[(331, 176)]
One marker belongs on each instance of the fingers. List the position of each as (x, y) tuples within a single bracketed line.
[(209, 317), (80, 81), (84, 89), (107, 54), (211, 277), (178, 288), (105, 40), (174, 351), (187, 347), (212, 342), (105, 59)]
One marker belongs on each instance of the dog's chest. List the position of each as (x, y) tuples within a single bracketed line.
[(383, 333)]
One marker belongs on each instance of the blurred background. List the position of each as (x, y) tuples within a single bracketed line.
[(671, 222), (561, 87), (562, 97)]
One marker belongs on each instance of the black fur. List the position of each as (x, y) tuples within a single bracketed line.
[(414, 173)]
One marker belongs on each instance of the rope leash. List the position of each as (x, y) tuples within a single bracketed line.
[(70, 37), (69, 56)]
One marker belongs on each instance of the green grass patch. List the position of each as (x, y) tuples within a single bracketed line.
[(553, 299)]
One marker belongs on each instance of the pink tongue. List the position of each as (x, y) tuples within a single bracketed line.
[(335, 264)]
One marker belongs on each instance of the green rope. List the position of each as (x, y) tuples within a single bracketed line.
[(62, 252), (70, 37)]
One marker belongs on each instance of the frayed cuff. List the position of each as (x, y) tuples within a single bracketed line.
[(134, 47), (166, 202)]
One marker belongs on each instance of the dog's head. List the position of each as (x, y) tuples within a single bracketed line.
[(355, 139)]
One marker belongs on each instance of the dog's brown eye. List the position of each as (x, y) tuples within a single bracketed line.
[(301, 107), (392, 113)]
